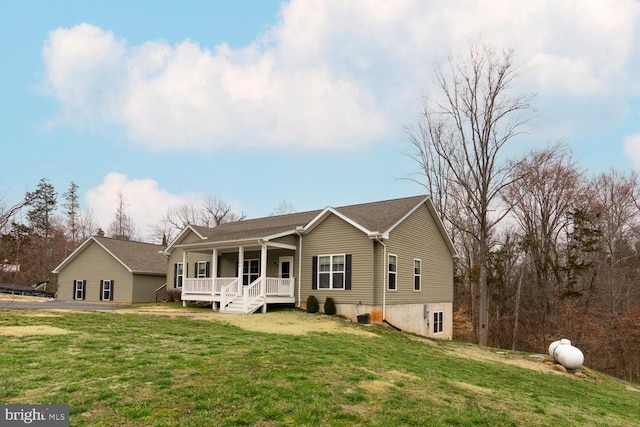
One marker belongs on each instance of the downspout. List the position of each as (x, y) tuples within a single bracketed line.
[(298, 230), (378, 238)]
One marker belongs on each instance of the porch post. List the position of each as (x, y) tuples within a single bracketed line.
[(214, 274), (240, 264), (263, 270), (184, 275)]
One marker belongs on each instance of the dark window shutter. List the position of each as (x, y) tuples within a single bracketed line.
[(75, 295), (314, 272), (347, 271), (207, 269), (185, 271), (112, 290), (84, 289), (237, 269), (175, 275), (101, 289), (195, 269)]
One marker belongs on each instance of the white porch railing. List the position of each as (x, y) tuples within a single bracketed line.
[(253, 293), (229, 292), (206, 285), (276, 286)]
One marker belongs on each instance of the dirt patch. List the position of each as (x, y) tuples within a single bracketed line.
[(471, 387), (630, 388), (278, 322), (10, 297), (23, 331)]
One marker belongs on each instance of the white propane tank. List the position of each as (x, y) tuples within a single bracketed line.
[(564, 353)]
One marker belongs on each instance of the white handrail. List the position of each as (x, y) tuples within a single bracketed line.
[(252, 293), (229, 289)]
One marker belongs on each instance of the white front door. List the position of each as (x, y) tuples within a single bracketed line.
[(285, 270)]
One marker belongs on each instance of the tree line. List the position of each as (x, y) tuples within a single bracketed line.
[(545, 250), (40, 231)]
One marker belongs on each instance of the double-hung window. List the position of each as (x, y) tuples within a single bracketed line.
[(331, 269), (179, 274), (250, 271), (106, 290), (393, 272), (78, 289), (202, 269), (438, 322), (417, 274)]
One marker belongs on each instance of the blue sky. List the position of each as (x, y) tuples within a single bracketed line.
[(302, 101)]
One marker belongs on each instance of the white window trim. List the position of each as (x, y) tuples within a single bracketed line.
[(102, 291), (389, 273), (179, 275), (75, 289), (331, 272), (198, 276), (439, 322), (418, 275)]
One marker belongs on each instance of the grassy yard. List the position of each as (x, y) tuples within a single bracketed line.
[(117, 369)]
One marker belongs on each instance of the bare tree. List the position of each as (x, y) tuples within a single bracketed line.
[(282, 208), (462, 136), (217, 211), (8, 212), (213, 212), (72, 212), (122, 226)]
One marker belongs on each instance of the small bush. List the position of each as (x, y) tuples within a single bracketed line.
[(329, 306), (312, 304), (173, 295)]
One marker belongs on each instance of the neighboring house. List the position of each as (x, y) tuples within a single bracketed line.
[(104, 269), (391, 259)]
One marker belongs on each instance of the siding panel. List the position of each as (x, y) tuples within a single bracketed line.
[(418, 236), (94, 264), (335, 236)]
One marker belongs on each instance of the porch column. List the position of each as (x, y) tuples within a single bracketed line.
[(240, 264), (263, 269), (214, 274), (184, 274)]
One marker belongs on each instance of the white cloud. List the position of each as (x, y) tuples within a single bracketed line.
[(334, 74), (632, 150), (145, 202)]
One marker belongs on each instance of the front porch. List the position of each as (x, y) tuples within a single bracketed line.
[(263, 275), (231, 296)]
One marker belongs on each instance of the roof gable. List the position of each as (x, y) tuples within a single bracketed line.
[(136, 257)]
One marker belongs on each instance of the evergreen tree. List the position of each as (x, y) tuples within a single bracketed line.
[(42, 201)]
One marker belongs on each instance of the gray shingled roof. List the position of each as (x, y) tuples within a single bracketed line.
[(137, 256), (375, 216)]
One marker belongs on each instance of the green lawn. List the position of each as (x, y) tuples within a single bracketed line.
[(144, 370)]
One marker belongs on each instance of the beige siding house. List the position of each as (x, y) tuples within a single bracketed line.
[(104, 269), (391, 260)]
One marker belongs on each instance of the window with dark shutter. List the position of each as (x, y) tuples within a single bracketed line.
[(314, 272), (347, 272)]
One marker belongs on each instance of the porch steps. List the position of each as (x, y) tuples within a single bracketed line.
[(236, 307)]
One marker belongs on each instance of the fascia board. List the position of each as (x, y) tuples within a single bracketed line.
[(326, 212)]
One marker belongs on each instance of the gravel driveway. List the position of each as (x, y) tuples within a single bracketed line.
[(16, 304)]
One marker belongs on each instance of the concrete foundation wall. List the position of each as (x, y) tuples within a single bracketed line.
[(407, 317)]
